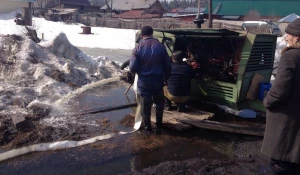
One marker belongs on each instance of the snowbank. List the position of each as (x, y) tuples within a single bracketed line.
[(34, 76), (101, 37)]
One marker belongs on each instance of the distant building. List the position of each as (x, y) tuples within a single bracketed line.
[(138, 14), (289, 19), (188, 14), (7, 6), (136, 9), (175, 10), (80, 5), (127, 5), (190, 10), (265, 9)]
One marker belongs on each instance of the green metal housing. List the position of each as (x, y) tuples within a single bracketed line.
[(254, 52)]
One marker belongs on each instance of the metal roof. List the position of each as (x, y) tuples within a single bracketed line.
[(290, 18), (263, 7), (130, 4), (78, 2), (192, 10), (206, 32), (24, 0)]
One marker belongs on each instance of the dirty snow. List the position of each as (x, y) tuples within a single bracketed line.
[(34, 76)]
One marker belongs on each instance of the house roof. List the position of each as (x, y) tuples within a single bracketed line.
[(77, 2), (264, 7), (191, 10), (130, 4), (290, 18), (137, 14), (176, 10), (24, 0)]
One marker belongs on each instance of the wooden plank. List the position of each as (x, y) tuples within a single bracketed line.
[(241, 129), (171, 119)]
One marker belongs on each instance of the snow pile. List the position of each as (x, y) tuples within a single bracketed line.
[(101, 37), (34, 76)]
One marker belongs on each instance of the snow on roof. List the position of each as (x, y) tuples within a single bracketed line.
[(130, 4)]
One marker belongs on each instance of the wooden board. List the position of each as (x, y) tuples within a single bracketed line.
[(171, 119), (220, 126)]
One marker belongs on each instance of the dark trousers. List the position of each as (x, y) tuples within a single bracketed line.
[(284, 168), (146, 102)]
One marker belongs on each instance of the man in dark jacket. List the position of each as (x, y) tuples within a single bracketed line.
[(282, 135), (150, 61), (178, 87)]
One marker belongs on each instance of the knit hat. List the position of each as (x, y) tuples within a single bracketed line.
[(147, 31), (294, 28), (177, 56)]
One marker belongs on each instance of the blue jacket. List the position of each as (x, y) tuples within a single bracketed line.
[(179, 83), (152, 63)]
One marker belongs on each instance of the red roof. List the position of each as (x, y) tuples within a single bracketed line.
[(137, 14)]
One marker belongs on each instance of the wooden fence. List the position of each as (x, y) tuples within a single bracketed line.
[(161, 23)]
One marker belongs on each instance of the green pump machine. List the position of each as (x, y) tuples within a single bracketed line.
[(226, 63)]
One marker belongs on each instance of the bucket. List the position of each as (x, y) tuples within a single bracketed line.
[(86, 30), (263, 89)]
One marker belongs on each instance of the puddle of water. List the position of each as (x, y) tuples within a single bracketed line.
[(121, 154)]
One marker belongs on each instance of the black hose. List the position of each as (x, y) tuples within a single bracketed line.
[(125, 64)]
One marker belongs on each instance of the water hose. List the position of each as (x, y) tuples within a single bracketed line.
[(69, 143)]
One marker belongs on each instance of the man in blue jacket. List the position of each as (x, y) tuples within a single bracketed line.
[(150, 61)]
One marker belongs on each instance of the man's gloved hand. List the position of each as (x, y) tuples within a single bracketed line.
[(127, 77)]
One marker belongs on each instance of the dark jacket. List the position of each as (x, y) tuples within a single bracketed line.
[(152, 63), (179, 83), (282, 134)]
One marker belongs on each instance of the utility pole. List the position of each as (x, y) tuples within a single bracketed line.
[(210, 13), (199, 19), (111, 2)]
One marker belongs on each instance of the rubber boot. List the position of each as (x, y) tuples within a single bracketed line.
[(147, 122), (159, 116)]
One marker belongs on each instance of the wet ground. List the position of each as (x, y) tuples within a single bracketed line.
[(195, 149)]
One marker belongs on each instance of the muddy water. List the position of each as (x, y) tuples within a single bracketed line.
[(121, 154)]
